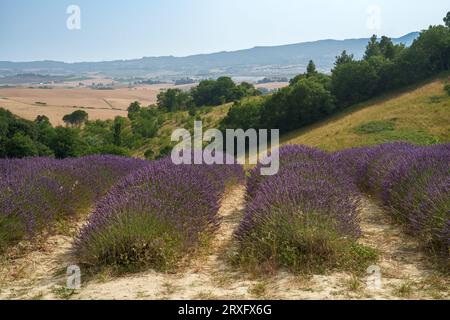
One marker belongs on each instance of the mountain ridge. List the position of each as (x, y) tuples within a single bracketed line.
[(259, 61)]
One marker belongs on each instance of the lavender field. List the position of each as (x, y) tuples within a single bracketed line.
[(140, 215)]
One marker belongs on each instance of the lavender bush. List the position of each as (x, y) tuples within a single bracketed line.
[(288, 154), (155, 216), (305, 218), (413, 182), (34, 192)]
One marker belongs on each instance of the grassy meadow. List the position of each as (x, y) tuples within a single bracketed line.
[(419, 114)]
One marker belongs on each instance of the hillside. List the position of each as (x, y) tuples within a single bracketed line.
[(419, 114), (286, 60)]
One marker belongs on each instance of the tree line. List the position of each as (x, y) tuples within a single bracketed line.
[(313, 96), (309, 97), (207, 93)]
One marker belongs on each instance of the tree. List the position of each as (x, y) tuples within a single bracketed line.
[(174, 100), (387, 47), (133, 110), (373, 48), (42, 120), (434, 44), (21, 146), (76, 118), (66, 143), (118, 125), (311, 69), (147, 122), (300, 104), (353, 82), (447, 20), (243, 115), (245, 89), (344, 58), (220, 91)]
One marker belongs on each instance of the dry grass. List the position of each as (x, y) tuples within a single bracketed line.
[(59, 101), (272, 85), (420, 113)]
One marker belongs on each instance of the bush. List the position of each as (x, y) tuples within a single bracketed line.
[(303, 102), (447, 88), (243, 115), (412, 182), (375, 127), (21, 146), (155, 217), (353, 82), (305, 218), (36, 192)]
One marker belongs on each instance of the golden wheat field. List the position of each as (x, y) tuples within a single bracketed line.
[(29, 102)]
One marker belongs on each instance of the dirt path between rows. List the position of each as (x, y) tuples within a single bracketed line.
[(404, 272)]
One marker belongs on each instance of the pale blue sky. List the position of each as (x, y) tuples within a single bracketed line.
[(113, 29)]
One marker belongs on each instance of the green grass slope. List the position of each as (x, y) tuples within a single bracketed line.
[(418, 114)]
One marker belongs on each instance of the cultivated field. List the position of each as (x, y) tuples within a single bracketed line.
[(29, 102), (125, 254), (384, 206)]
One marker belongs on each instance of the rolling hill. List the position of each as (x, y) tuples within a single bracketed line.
[(419, 114), (285, 60)]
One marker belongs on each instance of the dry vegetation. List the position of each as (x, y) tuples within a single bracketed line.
[(27, 102), (419, 115)]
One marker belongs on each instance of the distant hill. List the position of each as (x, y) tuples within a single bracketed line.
[(280, 61)]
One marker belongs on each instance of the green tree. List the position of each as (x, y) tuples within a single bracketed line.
[(21, 146), (42, 120), (220, 91), (447, 20), (76, 118), (133, 110), (118, 125), (311, 69), (66, 143), (146, 123), (373, 48), (353, 82), (300, 104), (243, 115), (387, 47), (174, 100), (245, 89), (434, 43), (344, 57)]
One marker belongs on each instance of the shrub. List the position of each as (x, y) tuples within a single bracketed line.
[(155, 217), (305, 218), (287, 155), (412, 182), (35, 192), (375, 127), (447, 88)]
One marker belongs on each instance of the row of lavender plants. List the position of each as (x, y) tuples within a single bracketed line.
[(413, 182), (155, 217), (304, 218), (37, 191)]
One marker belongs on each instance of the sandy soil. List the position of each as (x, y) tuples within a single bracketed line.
[(404, 271)]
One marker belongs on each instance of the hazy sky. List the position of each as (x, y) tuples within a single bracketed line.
[(113, 29)]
